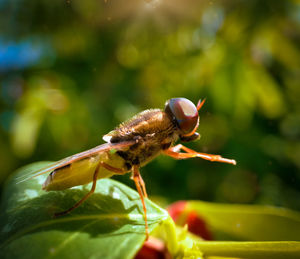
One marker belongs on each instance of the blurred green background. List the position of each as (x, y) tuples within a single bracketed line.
[(70, 71)]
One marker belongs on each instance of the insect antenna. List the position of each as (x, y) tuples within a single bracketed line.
[(200, 104)]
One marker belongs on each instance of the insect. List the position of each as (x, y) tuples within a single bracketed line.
[(130, 146)]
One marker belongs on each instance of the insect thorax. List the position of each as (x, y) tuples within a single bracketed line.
[(153, 131)]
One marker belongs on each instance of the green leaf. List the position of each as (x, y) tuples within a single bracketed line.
[(248, 222), (269, 232), (191, 246), (253, 250), (109, 224)]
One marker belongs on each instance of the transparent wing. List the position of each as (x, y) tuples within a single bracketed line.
[(68, 160)]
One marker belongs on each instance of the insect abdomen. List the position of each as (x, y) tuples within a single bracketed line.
[(81, 172), (78, 173)]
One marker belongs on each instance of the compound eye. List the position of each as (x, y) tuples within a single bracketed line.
[(184, 112)]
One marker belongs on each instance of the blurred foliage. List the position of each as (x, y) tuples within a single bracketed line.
[(70, 71)]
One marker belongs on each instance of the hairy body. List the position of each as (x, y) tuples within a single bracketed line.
[(151, 131)]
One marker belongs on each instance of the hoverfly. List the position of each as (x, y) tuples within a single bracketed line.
[(134, 144)]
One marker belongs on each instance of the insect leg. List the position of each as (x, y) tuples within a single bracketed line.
[(136, 177), (174, 152), (95, 176), (142, 183), (113, 169)]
